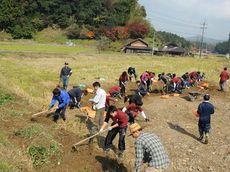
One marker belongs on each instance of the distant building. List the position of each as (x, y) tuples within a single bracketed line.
[(137, 46), (173, 49)]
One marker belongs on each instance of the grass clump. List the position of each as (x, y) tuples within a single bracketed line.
[(6, 167), (4, 98), (41, 155), (30, 131)]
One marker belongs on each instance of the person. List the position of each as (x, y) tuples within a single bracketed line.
[(119, 125), (132, 110), (132, 73), (144, 78), (65, 73), (176, 83), (141, 89), (185, 78), (205, 109), (63, 100), (75, 96), (109, 99), (224, 77), (115, 91), (99, 102), (122, 82), (151, 76), (148, 149)]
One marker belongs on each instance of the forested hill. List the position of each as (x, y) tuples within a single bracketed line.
[(22, 18)]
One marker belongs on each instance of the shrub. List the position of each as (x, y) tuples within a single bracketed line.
[(117, 33), (73, 31), (103, 44), (41, 155), (25, 31), (137, 30), (4, 98)]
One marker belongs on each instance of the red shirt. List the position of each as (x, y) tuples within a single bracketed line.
[(120, 118), (108, 99), (123, 79), (224, 76), (114, 89), (193, 75), (176, 80), (134, 109)]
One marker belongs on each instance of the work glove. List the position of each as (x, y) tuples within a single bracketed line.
[(147, 120)]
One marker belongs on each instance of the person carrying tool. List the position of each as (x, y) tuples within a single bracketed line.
[(98, 102), (224, 77), (149, 149), (75, 96), (205, 109), (119, 125), (122, 82), (63, 100), (132, 73), (65, 73)]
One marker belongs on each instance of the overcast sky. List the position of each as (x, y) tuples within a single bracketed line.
[(184, 17)]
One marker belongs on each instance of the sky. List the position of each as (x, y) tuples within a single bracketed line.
[(185, 17)]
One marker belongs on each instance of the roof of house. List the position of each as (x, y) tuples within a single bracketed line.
[(139, 39), (173, 48)]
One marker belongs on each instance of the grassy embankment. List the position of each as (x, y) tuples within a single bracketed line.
[(27, 80)]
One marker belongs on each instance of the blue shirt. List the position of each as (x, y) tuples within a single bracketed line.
[(63, 100), (205, 109)]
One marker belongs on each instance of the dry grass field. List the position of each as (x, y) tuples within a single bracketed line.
[(28, 78)]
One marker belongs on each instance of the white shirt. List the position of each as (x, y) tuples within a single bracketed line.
[(99, 98)]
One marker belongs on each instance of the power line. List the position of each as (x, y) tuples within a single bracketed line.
[(170, 23), (175, 20)]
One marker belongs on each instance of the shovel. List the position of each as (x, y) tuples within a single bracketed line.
[(39, 113), (74, 147)]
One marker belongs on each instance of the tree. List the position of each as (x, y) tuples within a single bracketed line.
[(222, 47)]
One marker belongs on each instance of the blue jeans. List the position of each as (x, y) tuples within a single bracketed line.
[(65, 81)]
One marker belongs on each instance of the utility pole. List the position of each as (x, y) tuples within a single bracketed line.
[(202, 37), (229, 45), (154, 35)]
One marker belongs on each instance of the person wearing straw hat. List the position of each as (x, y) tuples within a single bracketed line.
[(205, 109), (65, 73), (148, 149)]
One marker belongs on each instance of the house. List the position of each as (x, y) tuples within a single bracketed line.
[(173, 49), (137, 46)]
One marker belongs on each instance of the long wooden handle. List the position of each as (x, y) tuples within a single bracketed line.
[(89, 138), (39, 113)]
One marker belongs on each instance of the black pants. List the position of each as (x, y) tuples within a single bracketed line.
[(130, 116), (112, 134), (59, 113)]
